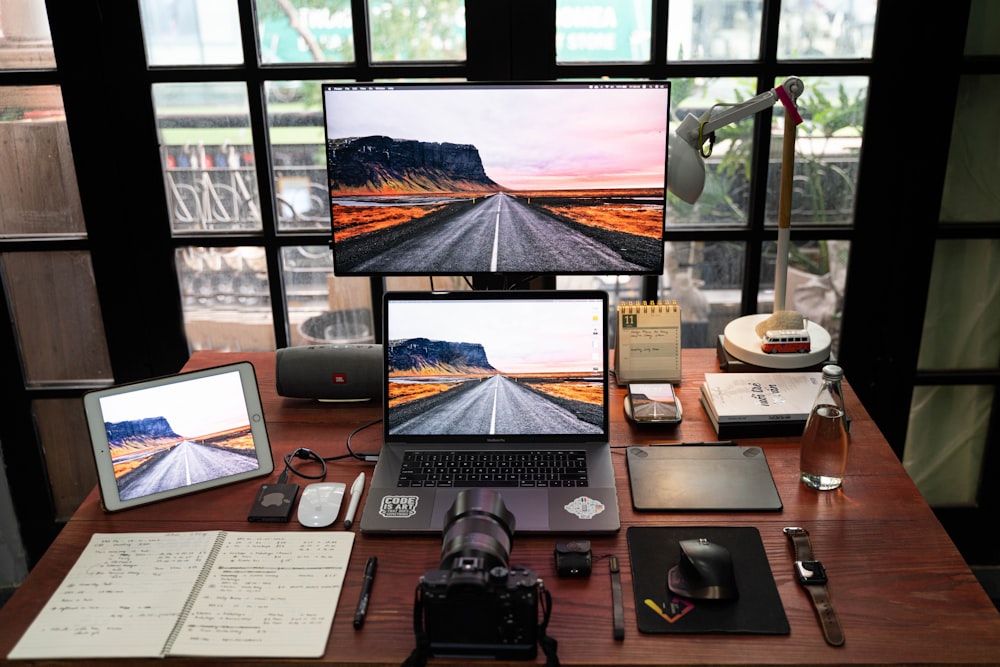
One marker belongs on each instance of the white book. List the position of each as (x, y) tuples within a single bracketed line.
[(200, 593), (760, 397)]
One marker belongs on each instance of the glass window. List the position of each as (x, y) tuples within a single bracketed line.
[(603, 31), (25, 41), (191, 32), (324, 309), (295, 131), (38, 190), (972, 176), (829, 29), (69, 461), (57, 318), (417, 30), (725, 198), (981, 39), (827, 147), (714, 30), (208, 156), (298, 31), (226, 299)]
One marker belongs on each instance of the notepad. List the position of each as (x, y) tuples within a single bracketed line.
[(199, 593), (648, 342)]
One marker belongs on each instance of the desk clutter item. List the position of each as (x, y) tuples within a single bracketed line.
[(655, 550), (648, 342), (701, 478), (198, 593), (747, 405)]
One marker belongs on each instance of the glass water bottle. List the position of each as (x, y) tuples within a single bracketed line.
[(823, 452)]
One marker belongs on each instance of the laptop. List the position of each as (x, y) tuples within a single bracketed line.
[(503, 390)]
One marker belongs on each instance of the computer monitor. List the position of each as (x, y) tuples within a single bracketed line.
[(540, 178)]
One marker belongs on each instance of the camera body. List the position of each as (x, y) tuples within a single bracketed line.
[(474, 611)]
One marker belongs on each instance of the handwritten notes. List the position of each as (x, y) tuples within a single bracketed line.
[(209, 593), (648, 342)]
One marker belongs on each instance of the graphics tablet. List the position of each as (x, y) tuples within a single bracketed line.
[(701, 478), (177, 434)]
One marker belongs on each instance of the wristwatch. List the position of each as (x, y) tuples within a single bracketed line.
[(812, 576)]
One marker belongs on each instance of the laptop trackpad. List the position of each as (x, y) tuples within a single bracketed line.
[(525, 504)]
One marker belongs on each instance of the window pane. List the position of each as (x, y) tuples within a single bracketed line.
[(814, 288), (208, 157), (324, 309), (25, 42), (945, 441), (38, 190), (830, 29), (714, 30), (57, 318), (972, 179), (226, 298), (298, 31), (417, 30), (827, 146), (705, 278), (981, 39), (725, 199), (191, 32), (69, 461), (603, 31), (962, 320), (295, 131)]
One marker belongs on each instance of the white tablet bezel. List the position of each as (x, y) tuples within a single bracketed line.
[(110, 495)]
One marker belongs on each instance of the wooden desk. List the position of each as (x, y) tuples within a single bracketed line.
[(903, 592)]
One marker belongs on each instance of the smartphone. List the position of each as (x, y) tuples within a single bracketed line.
[(653, 402)]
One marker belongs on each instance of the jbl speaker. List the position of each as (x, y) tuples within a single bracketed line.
[(330, 372)]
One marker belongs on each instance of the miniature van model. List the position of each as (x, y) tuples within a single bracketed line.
[(782, 341)]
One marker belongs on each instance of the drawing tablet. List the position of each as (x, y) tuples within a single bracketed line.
[(177, 434), (701, 478)]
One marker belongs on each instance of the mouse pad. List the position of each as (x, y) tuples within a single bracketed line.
[(654, 550)]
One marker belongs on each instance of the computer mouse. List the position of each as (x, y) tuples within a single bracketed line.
[(319, 504), (704, 572)]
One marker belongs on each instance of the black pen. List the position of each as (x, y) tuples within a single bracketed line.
[(366, 591)]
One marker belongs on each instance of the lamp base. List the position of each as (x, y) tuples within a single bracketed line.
[(741, 341)]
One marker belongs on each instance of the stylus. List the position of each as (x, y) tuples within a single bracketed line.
[(356, 488), (366, 591)]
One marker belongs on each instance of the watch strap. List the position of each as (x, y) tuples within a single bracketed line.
[(820, 595)]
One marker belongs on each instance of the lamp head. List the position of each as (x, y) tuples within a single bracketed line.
[(685, 166)]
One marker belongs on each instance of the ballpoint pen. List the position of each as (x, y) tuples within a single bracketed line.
[(356, 488), (366, 591)]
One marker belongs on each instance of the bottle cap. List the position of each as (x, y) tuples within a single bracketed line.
[(832, 372)]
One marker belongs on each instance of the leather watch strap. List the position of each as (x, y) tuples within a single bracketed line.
[(812, 576)]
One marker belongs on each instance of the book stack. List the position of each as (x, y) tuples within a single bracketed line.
[(752, 405)]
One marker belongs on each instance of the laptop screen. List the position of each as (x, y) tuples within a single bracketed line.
[(486, 367), (472, 178)]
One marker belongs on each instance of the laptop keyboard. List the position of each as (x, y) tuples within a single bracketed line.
[(493, 468)]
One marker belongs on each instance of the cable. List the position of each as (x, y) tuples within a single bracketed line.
[(304, 453), (369, 457)]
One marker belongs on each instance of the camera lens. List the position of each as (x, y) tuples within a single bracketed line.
[(478, 531)]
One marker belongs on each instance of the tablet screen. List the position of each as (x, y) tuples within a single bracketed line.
[(177, 434)]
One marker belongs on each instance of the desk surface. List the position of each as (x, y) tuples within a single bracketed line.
[(901, 588)]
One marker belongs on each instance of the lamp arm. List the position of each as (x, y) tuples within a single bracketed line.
[(695, 130)]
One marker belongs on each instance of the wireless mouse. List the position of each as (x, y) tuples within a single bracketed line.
[(704, 572), (319, 504)]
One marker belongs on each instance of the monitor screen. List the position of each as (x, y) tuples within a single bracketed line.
[(499, 178)]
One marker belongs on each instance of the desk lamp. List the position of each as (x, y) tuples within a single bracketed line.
[(742, 337)]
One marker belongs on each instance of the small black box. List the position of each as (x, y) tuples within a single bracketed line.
[(573, 558), (274, 503)]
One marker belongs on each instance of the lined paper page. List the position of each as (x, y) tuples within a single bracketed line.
[(122, 597), (268, 595)]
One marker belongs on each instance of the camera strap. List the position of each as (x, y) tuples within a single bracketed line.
[(418, 657)]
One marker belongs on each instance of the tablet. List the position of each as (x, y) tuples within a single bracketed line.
[(177, 434)]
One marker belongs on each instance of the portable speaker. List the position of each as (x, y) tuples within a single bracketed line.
[(330, 372)]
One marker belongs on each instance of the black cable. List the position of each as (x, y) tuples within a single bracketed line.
[(361, 456), (308, 454)]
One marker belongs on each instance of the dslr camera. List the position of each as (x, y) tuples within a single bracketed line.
[(475, 604)]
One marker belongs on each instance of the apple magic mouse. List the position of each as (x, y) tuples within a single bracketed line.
[(320, 504)]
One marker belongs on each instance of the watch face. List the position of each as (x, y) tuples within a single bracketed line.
[(810, 572)]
